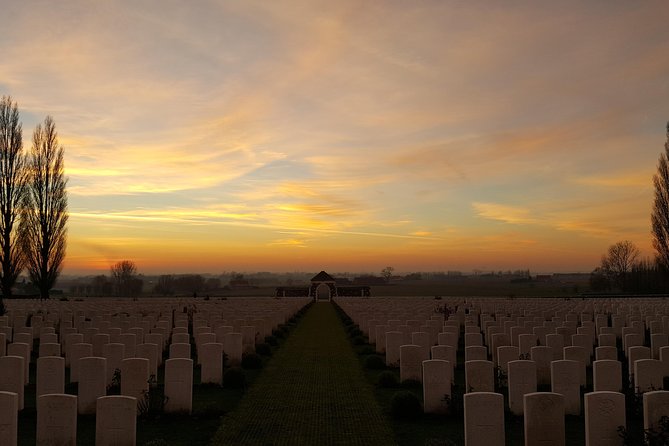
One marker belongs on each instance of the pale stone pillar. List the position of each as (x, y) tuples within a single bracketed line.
[(607, 375), (113, 353), (411, 359), (56, 420), (135, 377), (78, 351), (394, 341), (422, 339), (542, 356), (476, 353), (522, 379), (50, 375), (211, 358), (23, 350), (180, 350), (437, 377), (9, 411), (12, 376), (544, 419), (484, 419), (116, 421), (655, 406), (648, 375), (604, 412), (479, 376), (606, 352), (92, 383), (150, 352), (233, 348), (179, 385)]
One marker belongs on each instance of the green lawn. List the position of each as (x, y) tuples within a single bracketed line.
[(312, 391)]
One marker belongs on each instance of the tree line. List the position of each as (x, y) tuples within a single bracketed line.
[(33, 203), (620, 268)]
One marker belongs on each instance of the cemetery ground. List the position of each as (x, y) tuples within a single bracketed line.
[(321, 378), (312, 392), (210, 403)]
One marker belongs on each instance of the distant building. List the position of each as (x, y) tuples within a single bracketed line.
[(324, 287)]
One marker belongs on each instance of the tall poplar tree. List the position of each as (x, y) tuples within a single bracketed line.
[(44, 214), (12, 190), (660, 214)]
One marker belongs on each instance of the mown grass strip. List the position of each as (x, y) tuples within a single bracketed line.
[(311, 392)]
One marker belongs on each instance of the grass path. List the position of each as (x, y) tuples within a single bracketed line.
[(312, 392)]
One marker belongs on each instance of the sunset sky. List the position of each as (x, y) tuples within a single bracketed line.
[(209, 136)]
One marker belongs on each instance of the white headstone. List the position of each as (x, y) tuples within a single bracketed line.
[(437, 377), (50, 375), (9, 409), (604, 413), (544, 419), (92, 383), (56, 420), (411, 361), (12, 376), (479, 376), (522, 379), (116, 421), (655, 406), (484, 419), (179, 385), (607, 375)]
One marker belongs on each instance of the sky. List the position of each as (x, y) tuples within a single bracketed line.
[(292, 135)]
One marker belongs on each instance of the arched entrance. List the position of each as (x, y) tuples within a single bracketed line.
[(323, 292), (323, 287)]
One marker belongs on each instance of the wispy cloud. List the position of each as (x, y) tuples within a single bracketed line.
[(320, 120)]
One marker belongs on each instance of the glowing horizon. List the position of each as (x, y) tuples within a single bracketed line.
[(300, 136)]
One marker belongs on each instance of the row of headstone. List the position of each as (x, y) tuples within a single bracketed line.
[(115, 422), (544, 417)]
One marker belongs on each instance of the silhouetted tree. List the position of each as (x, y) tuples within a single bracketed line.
[(387, 273), (165, 285), (43, 226), (102, 286), (12, 190), (660, 214), (124, 276), (599, 281), (619, 260)]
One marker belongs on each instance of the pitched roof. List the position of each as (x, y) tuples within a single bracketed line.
[(322, 277)]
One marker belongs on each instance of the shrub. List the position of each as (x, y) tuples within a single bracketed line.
[(271, 340), (412, 384), (367, 350), (263, 349), (375, 362), (388, 379), (405, 405), (251, 361), (358, 340), (234, 378)]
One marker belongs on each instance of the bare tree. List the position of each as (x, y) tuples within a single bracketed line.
[(44, 215), (12, 190), (387, 273), (619, 260), (660, 214), (124, 276)]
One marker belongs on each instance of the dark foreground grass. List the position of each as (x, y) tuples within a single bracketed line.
[(311, 392)]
